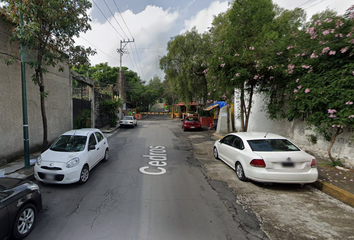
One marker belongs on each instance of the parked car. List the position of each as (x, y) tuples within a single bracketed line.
[(128, 121), (72, 156), (20, 202), (191, 123), (266, 157)]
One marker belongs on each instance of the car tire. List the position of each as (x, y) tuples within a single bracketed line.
[(84, 174), (106, 155), (240, 172), (24, 221), (215, 153)]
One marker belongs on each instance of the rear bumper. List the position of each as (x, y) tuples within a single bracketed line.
[(189, 127), (263, 175)]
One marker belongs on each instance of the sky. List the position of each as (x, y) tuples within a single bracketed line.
[(148, 25)]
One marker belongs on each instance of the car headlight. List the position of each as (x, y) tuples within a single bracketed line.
[(73, 162), (39, 160)]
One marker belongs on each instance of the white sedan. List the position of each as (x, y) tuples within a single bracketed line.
[(128, 121), (265, 157), (72, 156)]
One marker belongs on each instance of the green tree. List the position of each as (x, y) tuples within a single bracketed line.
[(184, 65), (101, 73), (49, 29), (241, 37)]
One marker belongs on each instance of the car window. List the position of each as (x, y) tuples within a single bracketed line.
[(92, 140), (192, 119), (127, 118), (238, 143), (272, 145), (228, 140), (99, 136), (69, 143)]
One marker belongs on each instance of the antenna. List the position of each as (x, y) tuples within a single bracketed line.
[(265, 135)]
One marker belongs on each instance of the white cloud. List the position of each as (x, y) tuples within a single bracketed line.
[(205, 17), (148, 27)]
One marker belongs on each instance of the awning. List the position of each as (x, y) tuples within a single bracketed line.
[(214, 105), (183, 104), (211, 107)]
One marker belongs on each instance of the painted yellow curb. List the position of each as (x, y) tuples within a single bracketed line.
[(335, 192)]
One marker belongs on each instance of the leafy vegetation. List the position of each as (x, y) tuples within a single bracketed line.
[(83, 120), (109, 107)]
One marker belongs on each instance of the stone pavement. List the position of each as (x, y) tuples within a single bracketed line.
[(336, 182)]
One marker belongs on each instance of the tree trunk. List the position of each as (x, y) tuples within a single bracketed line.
[(248, 110), (334, 137), (42, 93), (242, 109)]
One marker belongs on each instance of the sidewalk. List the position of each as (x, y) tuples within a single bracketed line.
[(336, 182)]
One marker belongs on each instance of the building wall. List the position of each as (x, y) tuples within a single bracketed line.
[(58, 102), (298, 132)]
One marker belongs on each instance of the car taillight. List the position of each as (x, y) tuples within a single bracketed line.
[(313, 163), (258, 163)]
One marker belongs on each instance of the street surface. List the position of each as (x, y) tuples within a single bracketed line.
[(151, 188)]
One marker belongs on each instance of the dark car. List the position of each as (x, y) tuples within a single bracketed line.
[(20, 201), (191, 123)]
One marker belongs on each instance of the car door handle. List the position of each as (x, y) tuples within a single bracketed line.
[(98, 148)]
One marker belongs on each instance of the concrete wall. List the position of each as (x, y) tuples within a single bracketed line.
[(298, 132), (58, 102)]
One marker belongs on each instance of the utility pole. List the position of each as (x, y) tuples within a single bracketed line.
[(121, 83), (24, 100)]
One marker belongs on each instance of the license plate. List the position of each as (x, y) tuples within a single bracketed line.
[(192, 127), (287, 164), (49, 177)]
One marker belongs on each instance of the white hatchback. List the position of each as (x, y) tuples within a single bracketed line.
[(72, 156), (266, 157)]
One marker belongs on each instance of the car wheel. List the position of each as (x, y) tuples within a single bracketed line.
[(215, 153), (84, 175), (24, 221), (240, 173), (106, 154)]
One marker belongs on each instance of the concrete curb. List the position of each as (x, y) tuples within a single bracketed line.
[(336, 192)]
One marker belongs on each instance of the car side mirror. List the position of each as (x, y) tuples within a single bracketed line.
[(91, 147)]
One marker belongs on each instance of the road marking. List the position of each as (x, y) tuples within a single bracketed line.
[(158, 156)]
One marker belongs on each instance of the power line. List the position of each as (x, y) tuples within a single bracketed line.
[(107, 19), (136, 51), (98, 48), (115, 18)]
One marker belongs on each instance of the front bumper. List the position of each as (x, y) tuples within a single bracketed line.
[(64, 176)]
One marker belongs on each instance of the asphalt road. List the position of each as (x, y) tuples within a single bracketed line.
[(151, 188)]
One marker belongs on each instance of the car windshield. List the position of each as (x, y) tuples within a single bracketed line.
[(272, 145), (69, 143), (127, 118)]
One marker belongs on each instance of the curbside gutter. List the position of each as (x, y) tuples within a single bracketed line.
[(334, 191)]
